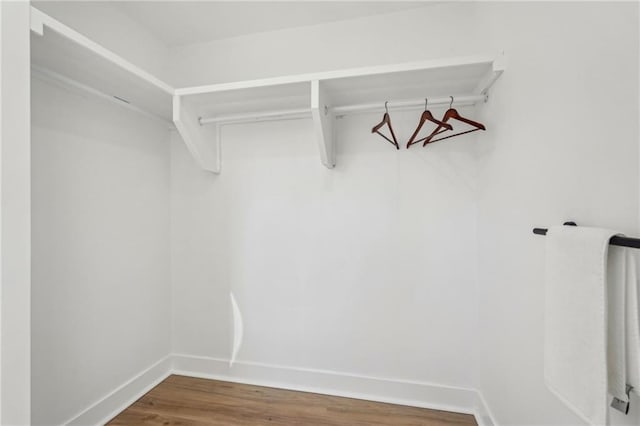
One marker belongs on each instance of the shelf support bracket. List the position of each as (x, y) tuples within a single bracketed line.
[(497, 68), (323, 120), (203, 142)]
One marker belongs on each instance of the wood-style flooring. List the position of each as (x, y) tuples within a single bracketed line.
[(180, 400)]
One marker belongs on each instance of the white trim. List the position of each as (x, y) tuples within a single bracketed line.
[(123, 396), (330, 75), (412, 393), (404, 392), (40, 20), (483, 414), (15, 199), (1, 109)]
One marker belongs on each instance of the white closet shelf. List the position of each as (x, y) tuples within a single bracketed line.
[(322, 96), (60, 53), (442, 77)]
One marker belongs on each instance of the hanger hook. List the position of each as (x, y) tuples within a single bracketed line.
[(426, 102), (451, 103), (385, 107)]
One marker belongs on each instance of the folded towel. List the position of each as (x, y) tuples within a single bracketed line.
[(575, 350)]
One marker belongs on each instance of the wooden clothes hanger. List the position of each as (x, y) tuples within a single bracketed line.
[(427, 116), (386, 120), (452, 113)]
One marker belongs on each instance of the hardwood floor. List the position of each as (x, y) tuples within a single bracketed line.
[(183, 401)]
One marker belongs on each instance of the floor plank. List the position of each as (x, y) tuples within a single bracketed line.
[(180, 400)]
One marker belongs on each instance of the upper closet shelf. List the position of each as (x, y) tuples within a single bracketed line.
[(323, 96), (437, 78), (62, 54)]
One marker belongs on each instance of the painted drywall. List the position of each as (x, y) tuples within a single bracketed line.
[(106, 24), (565, 110), (434, 31), (14, 224), (354, 270), (100, 247), (563, 145), (176, 25)]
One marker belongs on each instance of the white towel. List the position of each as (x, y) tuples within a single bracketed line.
[(623, 330), (575, 350), (633, 324)]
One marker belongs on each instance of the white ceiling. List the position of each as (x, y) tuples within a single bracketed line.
[(177, 23)]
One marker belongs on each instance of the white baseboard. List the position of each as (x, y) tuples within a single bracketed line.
[(404, 392), (412, 393), (115, 402), (483, 414)]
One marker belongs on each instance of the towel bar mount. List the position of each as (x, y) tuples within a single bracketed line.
[(616, 240)]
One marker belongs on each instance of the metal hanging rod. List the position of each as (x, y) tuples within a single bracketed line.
[(291, 114), (614, 241), (409, 104), (283, 114)]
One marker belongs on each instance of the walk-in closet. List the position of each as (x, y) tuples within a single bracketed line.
[(319, 213)]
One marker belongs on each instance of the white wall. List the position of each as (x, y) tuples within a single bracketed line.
[(100, 300), (366, 269), (14, 225), (562, 145), (354, 270), (434, 31)]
